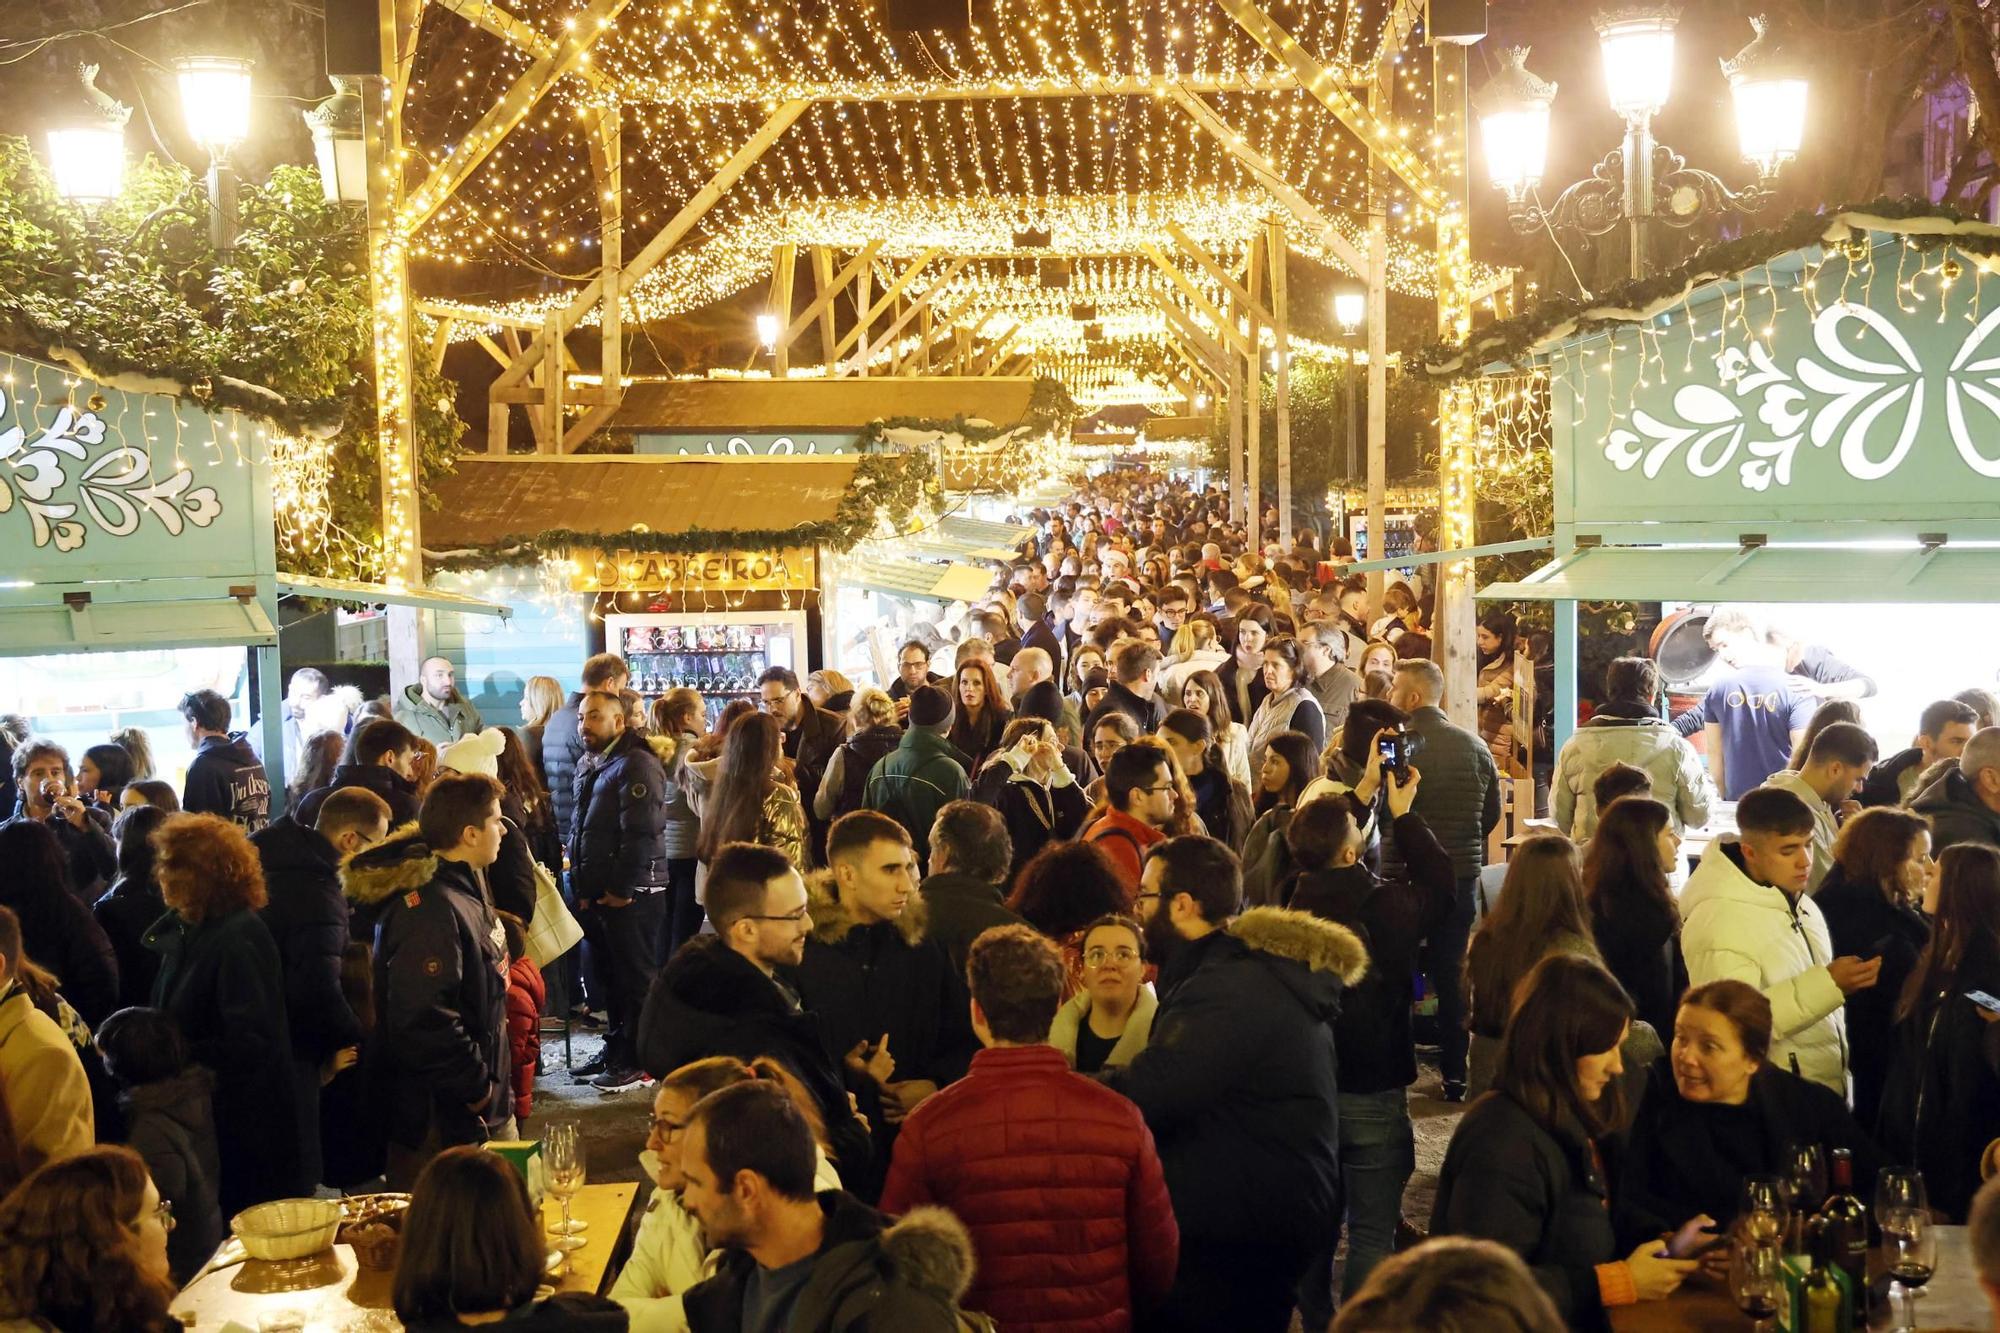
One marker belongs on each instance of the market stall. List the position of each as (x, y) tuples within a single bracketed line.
[(1802, 417), (701, 571)]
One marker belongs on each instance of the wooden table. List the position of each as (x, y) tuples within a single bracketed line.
[(1951, 1300), (331, 1292)]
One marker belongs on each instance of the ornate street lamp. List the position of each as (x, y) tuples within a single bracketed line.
[(215, 99), (87, 145), (340, 144), (1641, 181)]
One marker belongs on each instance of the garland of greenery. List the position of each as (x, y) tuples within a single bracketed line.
[(885, 487), (1513, 341), (1050, 407)]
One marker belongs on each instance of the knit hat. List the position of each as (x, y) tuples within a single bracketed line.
[(478, 753), (929, 706), (1041, 700)]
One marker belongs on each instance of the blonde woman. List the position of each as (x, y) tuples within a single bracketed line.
[(541, 699)]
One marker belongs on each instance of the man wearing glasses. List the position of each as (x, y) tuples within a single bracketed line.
[(724, 994), (811, 735), (1139, 784), (913, 672)]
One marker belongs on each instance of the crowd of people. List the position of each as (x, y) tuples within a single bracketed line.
[(1069, 982)]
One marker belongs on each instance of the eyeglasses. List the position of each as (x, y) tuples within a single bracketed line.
[(163, 1213), (666, 1127), (766, 704), (1155, 791), (1121, 955), (794, 918)]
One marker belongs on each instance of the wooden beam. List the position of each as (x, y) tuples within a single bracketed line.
[(666, 238), (1329, 90), (1455, 623), (1381, 94), (465, 315), (555, 383), (781, 305), (501, 118), (917, 303), (1274, 247), (401, 514), (487, 15), (492, 349), (1271, 178), (1224, 325), (1253, 400), (1014, 365), (998, 348), (862, 283), (607, 161), (823, 290), (1208, 264), (858, 334), (1213, 354), (440, 340)]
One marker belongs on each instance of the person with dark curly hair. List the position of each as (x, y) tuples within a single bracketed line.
[(83, 1245), (221, 979), (1062, 890)]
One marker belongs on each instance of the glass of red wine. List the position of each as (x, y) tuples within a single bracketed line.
[(1756, 1279), (1909, 1250)]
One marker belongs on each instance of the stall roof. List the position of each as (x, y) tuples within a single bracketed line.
[(961, 528), (99, 626), (487, 500), (795, 404), (1794, 573), (917, 578), (368, 594)]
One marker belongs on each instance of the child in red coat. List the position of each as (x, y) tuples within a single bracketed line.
[(525, 994)]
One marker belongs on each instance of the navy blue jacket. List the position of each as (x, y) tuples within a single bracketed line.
[(618, 834)]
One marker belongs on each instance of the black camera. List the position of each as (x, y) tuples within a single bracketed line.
[(1398, 747)]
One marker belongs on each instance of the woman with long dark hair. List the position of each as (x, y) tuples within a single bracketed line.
[(83, 1245), (749, 797), (1540, 912), (1525, 1166), (102, 775), (979, 713), (57, 929), (527, 802), (1876, 900), (1495, 640), (319, 755), (1223, 805), (1941, 1106), (472, 1253), (132, 904), (1291, 762), (1201, 692), (1633, 917)]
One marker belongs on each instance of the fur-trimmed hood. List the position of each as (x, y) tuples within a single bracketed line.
[(400, 862), (932, 1251), (1323, 946), (833, 920)]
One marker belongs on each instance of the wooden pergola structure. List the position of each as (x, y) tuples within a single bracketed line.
[(970, 280)]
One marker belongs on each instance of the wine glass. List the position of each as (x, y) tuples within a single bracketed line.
[(1897, 1188), (562, 1158), (1805, 1175), (1763, 1215), (1756, 1279), (1909, 1249)]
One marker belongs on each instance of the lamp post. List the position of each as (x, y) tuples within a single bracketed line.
[(86, 145), (215, 99), (340, 144), (1642, 181), (1350, 309)]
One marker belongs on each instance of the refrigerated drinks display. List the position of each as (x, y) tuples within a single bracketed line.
[(721, 656)]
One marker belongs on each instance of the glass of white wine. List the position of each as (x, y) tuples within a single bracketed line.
[(562, 1160)]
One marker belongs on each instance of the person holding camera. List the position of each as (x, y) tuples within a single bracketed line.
[(1378, 1060)]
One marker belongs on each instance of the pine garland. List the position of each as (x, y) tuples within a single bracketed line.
[(886, 487), (1926, 225)]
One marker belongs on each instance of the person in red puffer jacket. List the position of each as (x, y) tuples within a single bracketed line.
[(1054, 1174), (526, 993)]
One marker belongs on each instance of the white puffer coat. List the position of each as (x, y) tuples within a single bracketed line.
[(1680, 778), (1737, 929)]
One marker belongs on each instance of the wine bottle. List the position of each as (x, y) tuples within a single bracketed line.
[(1823, 1298), (1847, 1223)]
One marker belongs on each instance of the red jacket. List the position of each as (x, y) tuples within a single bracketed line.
[(525, 993), (1056, 1177), (1124, 841)]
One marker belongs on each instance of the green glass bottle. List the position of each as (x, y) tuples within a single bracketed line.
[(1823, 1300)]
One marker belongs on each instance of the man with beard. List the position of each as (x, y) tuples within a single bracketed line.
[(618, 873), (1238, 1084), (795, 1260), (434, 709), (722, 994)]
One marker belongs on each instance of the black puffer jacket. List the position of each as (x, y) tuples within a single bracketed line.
[(386, 782), (710, 1000), (617, 840), (1391, 918), (562, 746), (871, 1275), (867, 979), (307, 918), (440, 1047), (1238, 1080)]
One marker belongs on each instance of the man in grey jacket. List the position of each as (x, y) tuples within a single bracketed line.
[(1460, 802), (1628, 729)]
